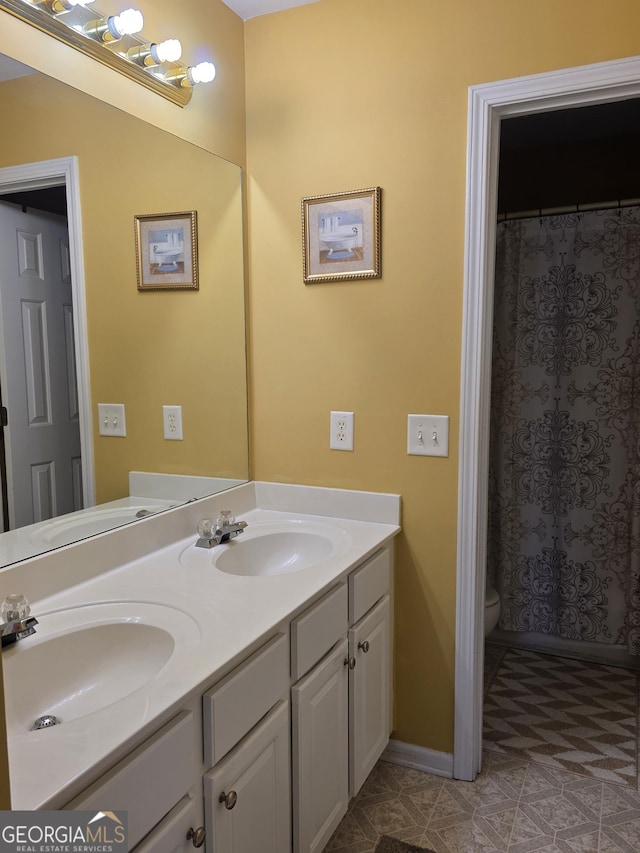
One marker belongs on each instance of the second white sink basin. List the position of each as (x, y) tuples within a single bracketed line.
[(84, 659), (266, 550), (88, 522)]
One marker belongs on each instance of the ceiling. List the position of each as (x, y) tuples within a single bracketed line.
[(252, 8)]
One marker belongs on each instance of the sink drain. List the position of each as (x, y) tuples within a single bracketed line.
[(45, 722)]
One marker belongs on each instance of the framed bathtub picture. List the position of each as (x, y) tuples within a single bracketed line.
[(341, 236), (167, 250)]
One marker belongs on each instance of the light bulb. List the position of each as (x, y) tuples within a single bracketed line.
[(126, 23), (203, 72), (149, 55), (167, 51)]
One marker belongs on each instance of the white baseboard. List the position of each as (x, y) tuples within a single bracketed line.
[(419, 758)]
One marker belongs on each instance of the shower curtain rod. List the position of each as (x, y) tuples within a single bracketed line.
[(571, 208)]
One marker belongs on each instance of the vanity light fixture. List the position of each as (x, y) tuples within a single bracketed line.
[(117, 42)]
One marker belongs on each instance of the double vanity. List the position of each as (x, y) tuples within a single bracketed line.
[(234, 697)]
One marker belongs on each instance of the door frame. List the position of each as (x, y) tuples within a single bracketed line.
[(53, 173), (488, 104)]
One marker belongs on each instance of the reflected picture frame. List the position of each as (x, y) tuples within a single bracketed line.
[(341, 236), (167, 250)]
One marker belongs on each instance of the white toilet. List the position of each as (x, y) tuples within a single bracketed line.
[(491, 609)]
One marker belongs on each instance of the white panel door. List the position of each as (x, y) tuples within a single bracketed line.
[(38, 373), (247, 796), (369, 712), (319, 711)]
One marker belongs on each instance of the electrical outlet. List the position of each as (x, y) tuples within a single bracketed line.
[(341, 435), (172, 420), (111, 419), (428, 435)]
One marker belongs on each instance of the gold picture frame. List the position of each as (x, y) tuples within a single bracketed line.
[(341, 236), (167, 251)]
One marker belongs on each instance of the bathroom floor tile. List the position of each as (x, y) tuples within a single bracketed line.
[(559, 771), (570, 715)]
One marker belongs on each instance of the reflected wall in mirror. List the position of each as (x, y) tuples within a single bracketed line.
[(155, 348)]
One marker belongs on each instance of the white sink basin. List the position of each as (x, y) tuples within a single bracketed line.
[(266, 550), (84, 659), (79, 525)]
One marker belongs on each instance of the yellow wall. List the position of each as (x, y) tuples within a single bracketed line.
[(344, 94), (208, 29), (153, 348)]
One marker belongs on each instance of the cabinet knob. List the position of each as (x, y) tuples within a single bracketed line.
[(197, 836), (229, 799), (364, 646), (350, 662)]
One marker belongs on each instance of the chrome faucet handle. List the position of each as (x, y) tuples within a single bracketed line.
[(225, 519), (229, 531), (224, 529), (16, 623), (11, 632), (14, 607), (206, 533)]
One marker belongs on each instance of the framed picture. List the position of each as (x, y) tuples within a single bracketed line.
[(167, 251), (341, 236)]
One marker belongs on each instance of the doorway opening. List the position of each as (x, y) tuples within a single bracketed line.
[(44, 370), (563, 445), (488, 107)]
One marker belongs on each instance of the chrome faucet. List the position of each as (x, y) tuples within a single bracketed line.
[(225, 528), (16, 623)]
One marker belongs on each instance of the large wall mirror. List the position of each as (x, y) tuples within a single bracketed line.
[(146, 349)]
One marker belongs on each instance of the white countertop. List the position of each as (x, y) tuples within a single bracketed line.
[(231, 614)]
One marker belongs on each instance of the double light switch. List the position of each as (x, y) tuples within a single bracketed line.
[(428, 435)]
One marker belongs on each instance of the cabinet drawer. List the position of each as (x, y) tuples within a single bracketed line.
[(368, 584), (150, 781), (170, 835), (317, 630), (236, 704)]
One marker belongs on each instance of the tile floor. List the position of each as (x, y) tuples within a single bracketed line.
[(569, 714), (516, 805)]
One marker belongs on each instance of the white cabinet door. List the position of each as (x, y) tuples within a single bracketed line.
[(369, 712), (248, 794), (319, 713)]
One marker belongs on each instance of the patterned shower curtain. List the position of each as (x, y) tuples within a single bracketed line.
[(564, 491)]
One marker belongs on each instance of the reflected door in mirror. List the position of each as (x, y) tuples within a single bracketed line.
[(42, 440)]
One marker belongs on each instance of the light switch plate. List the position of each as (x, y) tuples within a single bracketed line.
[(428, 435), (111, 419)]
